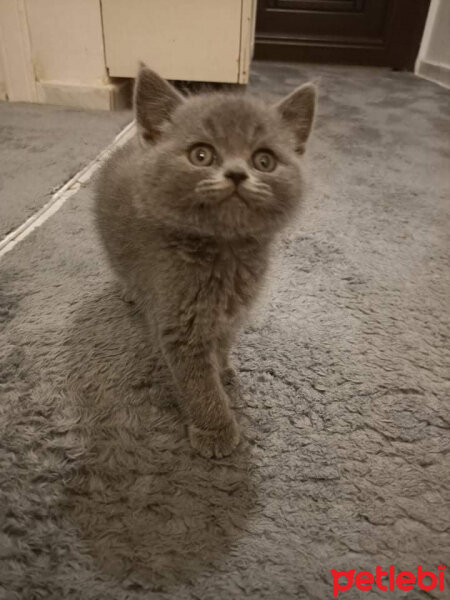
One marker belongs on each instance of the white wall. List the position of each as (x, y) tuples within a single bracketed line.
[(52, 52), (67, 41), (15, 52), (439, 45), (433, 61), (2, 74), (67, 53)]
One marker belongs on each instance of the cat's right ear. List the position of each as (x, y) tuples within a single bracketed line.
[(154, 102)]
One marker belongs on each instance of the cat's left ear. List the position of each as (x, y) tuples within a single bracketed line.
[(154, 102), (298, 110)]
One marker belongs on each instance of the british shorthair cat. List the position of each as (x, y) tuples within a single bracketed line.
[(187, 212)]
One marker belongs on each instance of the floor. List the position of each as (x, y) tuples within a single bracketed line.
[(41, 147), (343, 399)]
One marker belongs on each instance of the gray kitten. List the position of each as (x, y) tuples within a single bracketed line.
[(187, 212)]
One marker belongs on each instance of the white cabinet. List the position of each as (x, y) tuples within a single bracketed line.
[(200, 40), (75, 52)]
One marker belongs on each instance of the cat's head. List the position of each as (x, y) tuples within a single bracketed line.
[(221, 163)]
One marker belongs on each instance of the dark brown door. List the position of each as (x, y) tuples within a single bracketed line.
[(364, 32)]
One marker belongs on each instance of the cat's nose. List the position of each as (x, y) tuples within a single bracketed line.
[(236, 175)]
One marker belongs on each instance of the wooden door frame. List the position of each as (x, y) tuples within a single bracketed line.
[(399, 47)]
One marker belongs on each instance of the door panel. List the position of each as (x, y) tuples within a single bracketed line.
[(333, 5), (377, 32)]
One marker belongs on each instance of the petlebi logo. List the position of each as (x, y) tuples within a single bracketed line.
[(403, 580)]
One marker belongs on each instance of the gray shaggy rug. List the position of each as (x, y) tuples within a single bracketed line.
[(343, 398), (41, 147)]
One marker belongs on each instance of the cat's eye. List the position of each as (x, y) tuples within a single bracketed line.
[(264, 160), (201, 155)]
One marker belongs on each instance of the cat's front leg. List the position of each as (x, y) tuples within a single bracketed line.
[(228, 374), (212, 428)]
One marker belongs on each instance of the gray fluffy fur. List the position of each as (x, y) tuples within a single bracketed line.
[(190, 243)]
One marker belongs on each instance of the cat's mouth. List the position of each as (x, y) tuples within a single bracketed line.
[(236, 195), (219, 193)]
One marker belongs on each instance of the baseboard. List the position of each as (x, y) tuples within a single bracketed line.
[(438, 73), (111, 96), (322, 50)]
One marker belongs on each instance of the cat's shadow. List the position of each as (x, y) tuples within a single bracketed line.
[(151, 512)]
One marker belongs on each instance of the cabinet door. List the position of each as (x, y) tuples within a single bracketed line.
[(198, 40), (372, 32)]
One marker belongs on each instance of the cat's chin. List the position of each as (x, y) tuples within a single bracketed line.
[(237, 214), (237, 198)]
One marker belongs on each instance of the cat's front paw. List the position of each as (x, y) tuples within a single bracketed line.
[(128, 295), (215, 443), (229, 376)]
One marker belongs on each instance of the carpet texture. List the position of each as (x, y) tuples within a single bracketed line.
[(343, 398), (42, 147)]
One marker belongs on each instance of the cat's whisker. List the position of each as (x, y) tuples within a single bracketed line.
[(256, 192), (217, 190), (211, 183), (214, 190), (213, 195), (260, 187)]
